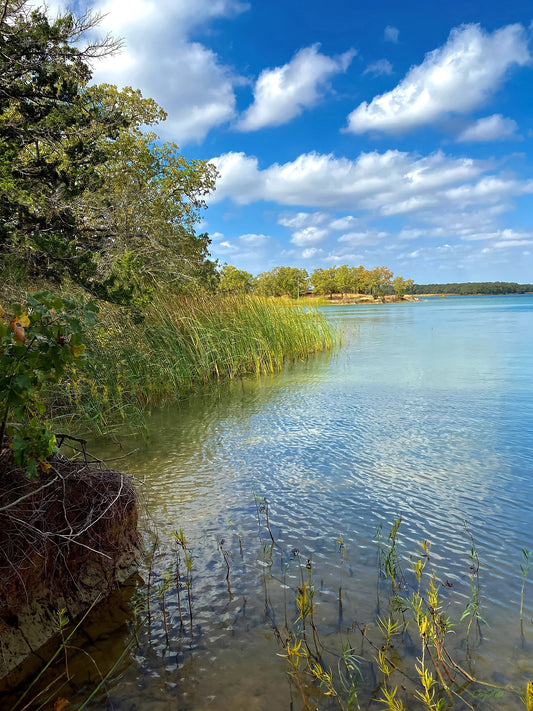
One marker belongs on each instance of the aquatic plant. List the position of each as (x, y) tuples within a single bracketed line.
[(405, 658)]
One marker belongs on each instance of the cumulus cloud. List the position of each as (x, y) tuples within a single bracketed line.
[(284, 92), (470, 227), (366, 238), (314, 227), (384, 182), (456, 78), (491, 128), (391, 34), (186, 78), (312, 252), (308, 235), (302, 219), (255, 240), (435, 196), (379, 68), (253, 252), (343, 223)]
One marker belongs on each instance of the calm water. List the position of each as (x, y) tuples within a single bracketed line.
[(425, 412)]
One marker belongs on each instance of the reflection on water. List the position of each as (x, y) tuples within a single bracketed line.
[(426, 411)]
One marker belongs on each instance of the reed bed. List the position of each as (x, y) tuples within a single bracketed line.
[(180, 346)]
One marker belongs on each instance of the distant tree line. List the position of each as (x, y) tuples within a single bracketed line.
[(482, 287), (293, 282)]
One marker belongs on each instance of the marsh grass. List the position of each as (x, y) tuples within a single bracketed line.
[(180, 346)]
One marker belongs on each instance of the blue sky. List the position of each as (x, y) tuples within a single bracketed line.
[(377, 133)]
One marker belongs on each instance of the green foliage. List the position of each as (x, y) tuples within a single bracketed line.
[(400, 286), (51, 140), (37, 344), (234, 281), (323, 281), (150, 198), (352, 280), (85, 194), (282, 281)]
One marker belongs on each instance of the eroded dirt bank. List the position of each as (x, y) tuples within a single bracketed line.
[(66, 540)]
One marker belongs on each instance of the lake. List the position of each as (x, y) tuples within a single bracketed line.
[(425, 412)]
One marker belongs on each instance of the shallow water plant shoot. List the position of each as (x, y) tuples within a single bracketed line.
[(413, 654)]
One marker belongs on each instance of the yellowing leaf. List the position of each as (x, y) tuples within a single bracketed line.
[(45, 466), (24, 320), (77, 350)]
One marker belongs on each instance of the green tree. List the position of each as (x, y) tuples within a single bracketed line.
[(51, 141), (291, 281), (151, 198), (264, 284), (323, 281), (400, 286), (84, 193), (282, 281), (361, 280), (235, 281), (380, 279), (345, 279)]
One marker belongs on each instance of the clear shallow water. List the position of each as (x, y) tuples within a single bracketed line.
[(426, 411)]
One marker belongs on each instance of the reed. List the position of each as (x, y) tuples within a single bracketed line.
[(180, 346)]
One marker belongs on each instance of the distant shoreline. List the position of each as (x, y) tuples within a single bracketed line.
[(446, 295), (347, 299)]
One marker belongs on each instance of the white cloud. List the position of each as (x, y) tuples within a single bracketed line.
[(367, 238), (391, 34), (412, 233), (379, 68), (501, 237), (456, 78), (343, 223), (186, 78), (344, 256), (436, 197), (388, 182), (284, 92), (250, 251), (491, 128), (227, 246), (302, 219), (311, 253), (254, 240), (308, 235)]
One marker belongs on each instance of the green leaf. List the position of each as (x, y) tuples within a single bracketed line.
[(23, 381)]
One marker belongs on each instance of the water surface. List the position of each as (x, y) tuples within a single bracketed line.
[(426, 412)]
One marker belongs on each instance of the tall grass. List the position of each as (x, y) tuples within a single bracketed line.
[(182, 345)]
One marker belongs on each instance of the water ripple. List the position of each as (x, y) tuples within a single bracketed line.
[(425, 413)]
